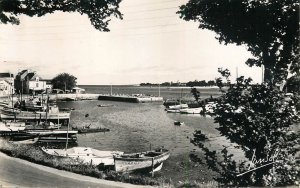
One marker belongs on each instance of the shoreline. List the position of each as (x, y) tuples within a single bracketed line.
[(71, 178)]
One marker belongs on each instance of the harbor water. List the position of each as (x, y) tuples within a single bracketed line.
[(139, 127)]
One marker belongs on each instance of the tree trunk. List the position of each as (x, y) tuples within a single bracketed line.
[(269, 62)]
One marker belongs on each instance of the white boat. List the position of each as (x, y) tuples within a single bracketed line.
[(12, 126), (178, 107), (53, 114), (209, 107), (86, 155), (191, 110), (173, 111), (151, 160), (26, 141)]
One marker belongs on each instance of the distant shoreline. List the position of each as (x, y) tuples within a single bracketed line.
[(171, 87)]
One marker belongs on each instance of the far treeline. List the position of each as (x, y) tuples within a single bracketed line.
[(188, 84)]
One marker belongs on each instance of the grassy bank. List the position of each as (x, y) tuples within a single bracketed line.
[(34, 154)]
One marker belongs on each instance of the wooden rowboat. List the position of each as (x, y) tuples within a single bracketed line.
[(85, 155), (144, 160)]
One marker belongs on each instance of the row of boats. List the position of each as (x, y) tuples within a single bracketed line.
[(34, 122), (185, 109)]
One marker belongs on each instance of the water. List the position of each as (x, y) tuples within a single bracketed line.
[(137, 127), (165, 92)]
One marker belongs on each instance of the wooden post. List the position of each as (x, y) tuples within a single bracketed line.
[(58, 121), (152, 173)]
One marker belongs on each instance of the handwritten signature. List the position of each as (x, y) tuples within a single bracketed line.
[(270, 159)]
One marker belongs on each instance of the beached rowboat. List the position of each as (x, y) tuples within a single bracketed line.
[(86, 155), (150, 159)]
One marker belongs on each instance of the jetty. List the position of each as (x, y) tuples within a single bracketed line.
[(136, 98)]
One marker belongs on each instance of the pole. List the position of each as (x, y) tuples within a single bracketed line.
[(67, 136), (22, 92), (159, 90), (47, 107), (110, 89), (152, 166)]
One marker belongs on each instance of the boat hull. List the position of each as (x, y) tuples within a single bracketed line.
[(62, 117), (85, 155), (131, 164), (55, 136), (191, 111)]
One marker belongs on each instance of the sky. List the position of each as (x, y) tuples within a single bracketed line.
[(151, 44)]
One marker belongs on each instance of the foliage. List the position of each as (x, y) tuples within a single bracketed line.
[(64, 81), (258, 118), (200, 83), (98, 11), (293, 84), (269, 30), (195, 93)]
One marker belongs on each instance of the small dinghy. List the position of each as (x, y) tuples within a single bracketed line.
[(178, 123)]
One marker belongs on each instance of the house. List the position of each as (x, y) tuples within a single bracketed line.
[(78, 90), (39, 85), (6, 88), (6, 84), (28, 81)]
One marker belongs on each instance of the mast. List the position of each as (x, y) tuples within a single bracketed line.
[(47, 106), (67, 136), (159, 90), (111, 89)]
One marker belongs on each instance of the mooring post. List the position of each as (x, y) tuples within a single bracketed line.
[(152, 167)]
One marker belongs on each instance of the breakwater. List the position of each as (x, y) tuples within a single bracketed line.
[(121, 98)]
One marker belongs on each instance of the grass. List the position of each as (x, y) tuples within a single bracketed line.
[(34, 154)]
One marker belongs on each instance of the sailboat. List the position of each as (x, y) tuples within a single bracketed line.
[(176, 108)]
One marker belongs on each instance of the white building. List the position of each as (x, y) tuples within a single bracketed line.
[(6, 88), (78, 90), (37, 85), (6, 84)]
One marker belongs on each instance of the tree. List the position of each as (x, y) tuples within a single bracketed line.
[(64, 81), (258, 119), (293, 84), (269, 30), (98, 11)]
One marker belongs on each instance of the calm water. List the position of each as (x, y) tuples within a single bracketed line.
[(137, 127), (165, 92)]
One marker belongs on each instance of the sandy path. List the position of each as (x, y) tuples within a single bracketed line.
[(16, 172)]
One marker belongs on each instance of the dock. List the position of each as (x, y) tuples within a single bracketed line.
[(122, 98)]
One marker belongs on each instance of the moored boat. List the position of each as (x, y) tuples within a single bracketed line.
[(178, 123), (12, 126), (178, 107), (151, 160), (86, 155), (105, 105), (50, 135), (173, 111), (191, 110), (53, 115)]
